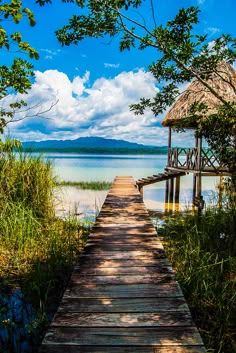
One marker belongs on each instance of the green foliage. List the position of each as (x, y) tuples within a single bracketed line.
[(26, 180), (223, 139), (202, 251), (37, 251), (9, 145), (17, 77)]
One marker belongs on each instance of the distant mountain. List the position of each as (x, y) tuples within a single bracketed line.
[(92, 145)]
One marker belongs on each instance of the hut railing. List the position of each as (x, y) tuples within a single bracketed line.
[(188, 159)]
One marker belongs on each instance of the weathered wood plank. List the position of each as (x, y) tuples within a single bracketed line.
[(128, 255), (109, 336), (97, 263), (171, 318), (126, 305), (55, 348), (122, 239), (154, 278), (170, 289), (122, 270), (103, 247)]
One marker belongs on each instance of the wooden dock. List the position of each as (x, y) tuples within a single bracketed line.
[(123, 296)]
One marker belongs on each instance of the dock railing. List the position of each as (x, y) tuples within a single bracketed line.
[(188, 159)]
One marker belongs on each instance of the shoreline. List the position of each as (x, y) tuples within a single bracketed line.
[(70, 200)]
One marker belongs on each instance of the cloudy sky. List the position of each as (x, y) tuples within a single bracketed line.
[(93, 83)]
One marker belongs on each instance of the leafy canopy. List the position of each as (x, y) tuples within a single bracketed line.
[(15, 78)]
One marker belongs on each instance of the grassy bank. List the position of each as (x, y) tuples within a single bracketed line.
[(37, 251), (87, 185), (202, 251)]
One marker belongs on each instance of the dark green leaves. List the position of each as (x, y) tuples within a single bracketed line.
[(17, 77)]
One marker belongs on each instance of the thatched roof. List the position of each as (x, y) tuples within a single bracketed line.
[(198, 93)]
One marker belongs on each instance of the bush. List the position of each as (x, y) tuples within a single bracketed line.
[(202, 250)]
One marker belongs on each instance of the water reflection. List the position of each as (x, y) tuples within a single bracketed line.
[(16, 323)]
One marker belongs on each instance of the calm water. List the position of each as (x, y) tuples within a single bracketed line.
[(77, 167), (90, 167)]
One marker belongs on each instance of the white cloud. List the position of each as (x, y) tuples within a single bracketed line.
[(212, 31), (200, 1), (114, 66), (50, 54), (100, 108)]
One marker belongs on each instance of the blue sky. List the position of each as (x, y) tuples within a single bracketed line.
[(93, 82)]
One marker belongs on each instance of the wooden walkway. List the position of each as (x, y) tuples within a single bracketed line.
[(166, 175), (122, 296)]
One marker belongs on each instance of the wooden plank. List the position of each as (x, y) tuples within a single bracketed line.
[(121, 239), (124, 270), (170, 318), (106, 247), (55, 348), (128, 255), (119, 336), (123, 279), (95, 263), (125, 305), (128, 232), (170, 289)]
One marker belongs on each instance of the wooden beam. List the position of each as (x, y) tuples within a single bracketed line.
[(177, 191), (169, 145)]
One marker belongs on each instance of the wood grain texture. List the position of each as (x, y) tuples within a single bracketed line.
[(123, 305), (123, 296), (55, 348), (171, 289), (109, 336)]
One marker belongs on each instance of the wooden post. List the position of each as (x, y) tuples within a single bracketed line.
[(167, 197), (171, 195), (220, 190), (199, 176), (194, 187), (177, 190), (141, 190), (169, 145), (194, 175)]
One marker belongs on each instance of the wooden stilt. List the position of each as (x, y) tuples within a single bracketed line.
[(220, 191), (194, 190), (171, 195), (141, 191), (199, 184), (167, 197), (177, 190)]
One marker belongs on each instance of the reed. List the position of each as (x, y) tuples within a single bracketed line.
[(89, 185), (37, 251), (202, 251)]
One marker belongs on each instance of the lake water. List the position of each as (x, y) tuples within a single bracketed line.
[(91, 167)]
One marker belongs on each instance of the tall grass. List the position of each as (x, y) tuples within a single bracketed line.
[(28, 181), (37, 251), (87, 185), (202, 250)]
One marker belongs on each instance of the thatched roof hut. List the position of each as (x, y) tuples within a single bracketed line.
[(224, 83)]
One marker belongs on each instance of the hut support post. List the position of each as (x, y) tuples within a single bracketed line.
[(169, 145), (177, 190), (140, 189), (171, 195), (199, 166), (220, 191), (167, 197), (194, 187)]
